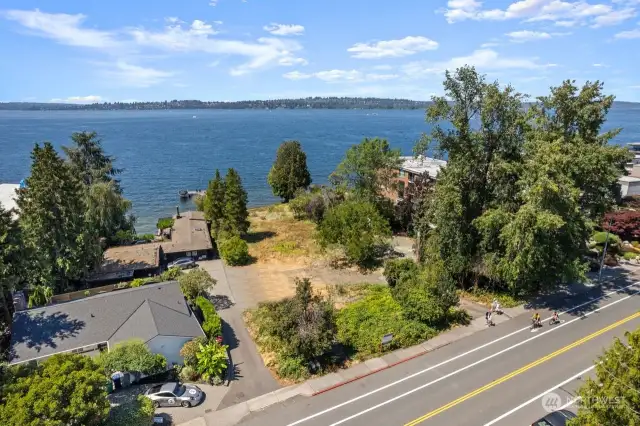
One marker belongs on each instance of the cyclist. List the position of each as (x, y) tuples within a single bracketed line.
[(555, 318), (536, 319)]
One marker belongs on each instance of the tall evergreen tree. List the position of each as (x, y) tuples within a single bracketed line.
[(106, 207), (52, 219), (289, 171), (89, 160), (612, 397), (213, 203), (11, 256), (235, 204)]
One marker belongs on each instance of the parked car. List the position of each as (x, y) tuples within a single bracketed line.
[(557, 418), (183, 263), (174, 394)]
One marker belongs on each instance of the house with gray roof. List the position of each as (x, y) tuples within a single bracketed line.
[(156, 313)]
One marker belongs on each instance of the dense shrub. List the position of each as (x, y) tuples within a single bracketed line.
[(195, 283), (171, 274), (625, 224), (298, 205), (315, 209), (138, 412), (132, 355), (292, 367), (630, 255), (212, 324), (301, 326), (362, 324), (189, 350), (357, 228), (397, 269), (188, 374), (601, 237), (426, 296), (212, 360), (234, 251), (165, 222)]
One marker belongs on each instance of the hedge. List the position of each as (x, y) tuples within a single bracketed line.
[(212, 324)]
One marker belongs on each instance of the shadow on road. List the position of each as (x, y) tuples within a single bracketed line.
[(586, 295)]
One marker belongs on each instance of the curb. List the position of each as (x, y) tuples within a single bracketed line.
[(377, 370)]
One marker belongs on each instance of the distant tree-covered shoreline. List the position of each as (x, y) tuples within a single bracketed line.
[(306, 103)]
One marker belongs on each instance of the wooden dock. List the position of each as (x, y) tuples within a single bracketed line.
[(185, 194)]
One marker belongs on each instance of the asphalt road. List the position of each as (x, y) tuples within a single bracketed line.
[(499, 376)]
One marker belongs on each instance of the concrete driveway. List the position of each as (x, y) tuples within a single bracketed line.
[(250, 377)]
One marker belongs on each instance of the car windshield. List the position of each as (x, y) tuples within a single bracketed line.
[(179, 390)]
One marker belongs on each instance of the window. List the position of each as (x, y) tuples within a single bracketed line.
[(165, 395), (102, 347), (401, 173)]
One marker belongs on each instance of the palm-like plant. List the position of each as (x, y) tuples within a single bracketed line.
[(212, 360)]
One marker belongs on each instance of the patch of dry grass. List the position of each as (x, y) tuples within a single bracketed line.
[(275, 235)]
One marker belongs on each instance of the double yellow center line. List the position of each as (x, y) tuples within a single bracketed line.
[(521, 370)]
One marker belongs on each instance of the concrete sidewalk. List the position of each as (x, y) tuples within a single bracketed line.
[(234, 414)]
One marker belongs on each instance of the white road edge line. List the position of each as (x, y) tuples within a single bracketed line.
[(535, 398), (335, 407), (446, 376)]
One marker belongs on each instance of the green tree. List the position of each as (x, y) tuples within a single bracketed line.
[(214, 203), (106, 207), (368, 168), (196, 283), (89, 160), (11, 261), (190, 349), (53, 222), (289, 172), (611, 397), (66, 389), (357, 228), (235, 204), (132, 355), (40, 295), (138, 412)]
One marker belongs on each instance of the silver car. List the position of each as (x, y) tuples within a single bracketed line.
[(173, 394), (183, 263)]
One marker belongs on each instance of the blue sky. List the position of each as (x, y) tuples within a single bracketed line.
[(116, 50)]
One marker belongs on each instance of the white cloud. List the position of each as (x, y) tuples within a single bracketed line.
[(483, 59), (213, 3), (600, 66), (392, 48), (63, 28), (628, 34), (335, 76), (284, 29), (613, 18), (176, 37), (78, 99), (265, 52), (134, 75), (526, 35), (382, 67), (489, 44), (566, 13)]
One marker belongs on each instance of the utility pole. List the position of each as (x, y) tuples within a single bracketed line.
[(604, 252)]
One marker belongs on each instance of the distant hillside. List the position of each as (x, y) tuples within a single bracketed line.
[(306, 103)]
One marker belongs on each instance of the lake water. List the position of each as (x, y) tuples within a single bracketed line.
[(163, 152)]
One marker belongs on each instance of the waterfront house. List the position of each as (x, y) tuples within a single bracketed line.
[(189, 237), (125, 263), (158, 314), (411, 168)]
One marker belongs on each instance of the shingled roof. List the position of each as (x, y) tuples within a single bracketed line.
[(142, 313)]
